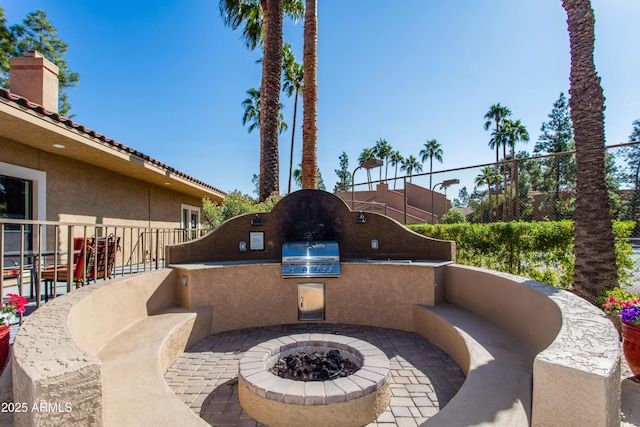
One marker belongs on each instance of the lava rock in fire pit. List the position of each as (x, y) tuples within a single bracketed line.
[(316, 366)]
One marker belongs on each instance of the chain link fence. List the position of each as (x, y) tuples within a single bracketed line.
[(536, 188)]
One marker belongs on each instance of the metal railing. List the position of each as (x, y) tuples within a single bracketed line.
[(29, 248)]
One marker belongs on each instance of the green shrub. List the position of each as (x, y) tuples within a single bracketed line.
[(454, 216), (235, 203), (539, 250)]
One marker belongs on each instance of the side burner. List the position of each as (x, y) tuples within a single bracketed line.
[(310, 259)]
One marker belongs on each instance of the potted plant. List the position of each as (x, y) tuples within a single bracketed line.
[(613, 307), (630, 317), (8, 314)]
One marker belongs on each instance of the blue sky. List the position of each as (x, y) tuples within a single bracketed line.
[(167, 78)]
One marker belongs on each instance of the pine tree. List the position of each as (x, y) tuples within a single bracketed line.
[(559, 171), (343, 174)]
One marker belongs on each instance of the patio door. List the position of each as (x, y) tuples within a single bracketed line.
[(191, 221)]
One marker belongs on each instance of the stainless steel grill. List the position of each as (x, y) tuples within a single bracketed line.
[(310, 259)]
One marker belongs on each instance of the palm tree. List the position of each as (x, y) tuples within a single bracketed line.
[(411, 165), (516, 132), (489, 177), (270, 97), (262, 22), (252, 112), (297, 176), (236, 13), (367, 154), (432, 149), (292, 75), (497, 114), (382, 150), (310, 97), (396, 159), (595, 259)]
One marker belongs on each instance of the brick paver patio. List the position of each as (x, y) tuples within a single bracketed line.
[(423, 377)]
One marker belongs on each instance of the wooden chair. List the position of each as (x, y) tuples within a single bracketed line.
[(101, 263), (51, 275)]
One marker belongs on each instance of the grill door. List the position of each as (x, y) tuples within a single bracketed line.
[(310, 301)]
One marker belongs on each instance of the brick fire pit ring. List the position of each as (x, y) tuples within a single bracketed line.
[(354, 400)]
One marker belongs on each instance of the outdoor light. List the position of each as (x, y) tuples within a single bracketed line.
[(361, 219), (243, 246), (369, 164), (449, 182), (374, 244), (444, 184), (184, 280), (256, 221)]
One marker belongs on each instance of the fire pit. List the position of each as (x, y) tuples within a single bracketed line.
[(314, 366), (352, 400)]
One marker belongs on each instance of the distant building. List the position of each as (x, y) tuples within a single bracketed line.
[(422, 204)]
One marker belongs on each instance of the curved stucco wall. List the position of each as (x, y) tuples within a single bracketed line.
[(55, 349), (576, 372)]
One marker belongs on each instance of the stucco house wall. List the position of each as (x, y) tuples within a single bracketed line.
[(83, 193)]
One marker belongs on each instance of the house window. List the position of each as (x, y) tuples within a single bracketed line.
[(22, 196), (16, 198), (191, 220)]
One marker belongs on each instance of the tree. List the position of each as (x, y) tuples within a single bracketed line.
[(37, 33), (248, 13), (382, 150), (270, 97), (310, 96), (396, 160), (411, 165), (292, 79), (489, 176), (252, 112), (367, 154), (297, 176), (559, 171), (344, 176), (497, 114), (595, 259), (262, 21), (632, 176), (432, 149), (515, 132), (7, 50), (463, 198)]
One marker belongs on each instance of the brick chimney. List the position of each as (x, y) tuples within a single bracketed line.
[(36, 78)]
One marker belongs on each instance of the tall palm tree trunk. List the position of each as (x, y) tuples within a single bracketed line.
[(293, 135), (310, 97), (595, 260), (270, 97)]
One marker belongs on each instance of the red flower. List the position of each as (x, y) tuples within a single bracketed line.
[(17, 302)]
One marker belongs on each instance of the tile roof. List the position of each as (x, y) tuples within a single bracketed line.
[(5, 95)]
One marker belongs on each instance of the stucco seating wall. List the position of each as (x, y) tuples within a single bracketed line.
[(576, 365), (98, 349)]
